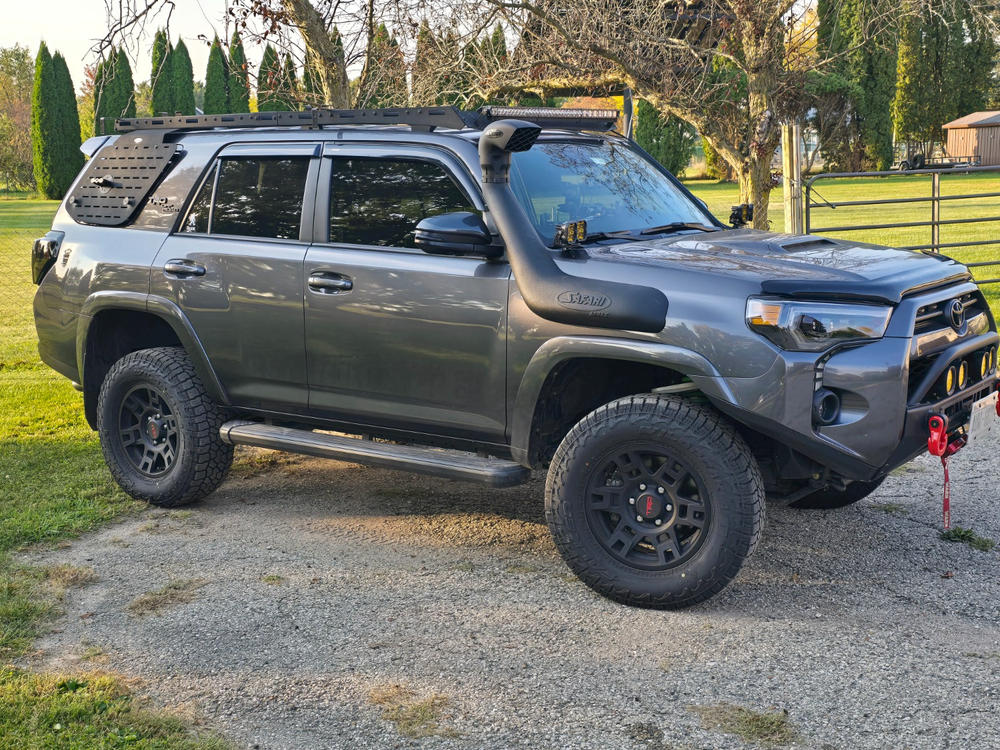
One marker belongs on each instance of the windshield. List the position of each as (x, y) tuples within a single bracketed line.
[(607, 184)]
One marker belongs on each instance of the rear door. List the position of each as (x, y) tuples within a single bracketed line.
[(235, 268), (395, 336)]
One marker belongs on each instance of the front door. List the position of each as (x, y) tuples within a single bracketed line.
[(394, 336), (235, 269)]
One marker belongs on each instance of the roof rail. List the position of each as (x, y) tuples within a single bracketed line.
[(416, 117)]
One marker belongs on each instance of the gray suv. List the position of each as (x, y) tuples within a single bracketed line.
[(476, 295)]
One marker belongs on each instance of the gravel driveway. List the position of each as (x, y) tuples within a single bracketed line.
[(312, 604)]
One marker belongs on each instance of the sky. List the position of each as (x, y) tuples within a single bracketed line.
[(73, 26)]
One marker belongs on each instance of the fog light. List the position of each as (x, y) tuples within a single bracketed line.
[(948, 381), (826, 407), (963, 374), (984, 364)]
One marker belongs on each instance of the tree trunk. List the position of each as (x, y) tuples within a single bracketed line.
[(321, 48), (754, 178)]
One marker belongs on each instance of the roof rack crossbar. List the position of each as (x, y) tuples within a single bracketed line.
[(415, 117), (418, 117)]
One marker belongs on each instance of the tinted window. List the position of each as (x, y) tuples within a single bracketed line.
[(197, 218), (260, 197), (380, 201)]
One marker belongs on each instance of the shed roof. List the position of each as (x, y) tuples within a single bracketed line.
[(975, 120)]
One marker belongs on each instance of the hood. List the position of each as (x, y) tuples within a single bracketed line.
[(794, 265)]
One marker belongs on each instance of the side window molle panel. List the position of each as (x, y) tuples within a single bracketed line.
[(119, 177)]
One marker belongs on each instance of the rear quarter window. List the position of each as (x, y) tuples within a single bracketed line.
[(251, 197)]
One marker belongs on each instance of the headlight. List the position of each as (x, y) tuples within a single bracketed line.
[(815, 326)]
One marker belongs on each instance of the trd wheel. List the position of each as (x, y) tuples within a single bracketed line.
[(159, 429), (654, 501), (830, 499)]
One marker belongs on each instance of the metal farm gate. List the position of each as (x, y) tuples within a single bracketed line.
[(818, 210)]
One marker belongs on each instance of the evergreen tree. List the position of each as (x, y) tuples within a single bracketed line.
[(71, 158), (494, 48), (979, 59), (944, 69), (384, 76), (160, 77), (114, 94), (452, 84), (99, 86), (668, 139), (216, 81), (238, 85), (715, 166), (864, 56), (182, 80), (45, 127), (124, 103), (909, 107), (312, 88), (289, 84), (269, 83), (339, 62), (426, 72)]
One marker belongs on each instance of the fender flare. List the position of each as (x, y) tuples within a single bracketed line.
[(162, 308), (562, 348)]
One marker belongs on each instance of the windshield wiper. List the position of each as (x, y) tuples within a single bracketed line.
[(676, 226), (620, 234)]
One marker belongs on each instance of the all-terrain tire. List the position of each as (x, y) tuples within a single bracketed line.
[(189, 419), (711, 451), (831, 499)]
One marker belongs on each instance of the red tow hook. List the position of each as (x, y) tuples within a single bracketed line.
[(938, 445)]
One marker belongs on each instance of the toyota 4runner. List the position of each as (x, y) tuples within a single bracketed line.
[(478, 294)]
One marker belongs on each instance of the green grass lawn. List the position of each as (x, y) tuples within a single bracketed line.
[(53, 485)]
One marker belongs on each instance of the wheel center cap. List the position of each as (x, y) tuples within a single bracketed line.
[(648, 506), (154, 429)]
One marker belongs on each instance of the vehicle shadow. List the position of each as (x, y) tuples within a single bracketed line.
[(841, 560)]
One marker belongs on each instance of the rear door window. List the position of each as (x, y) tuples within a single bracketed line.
[(252, 197), (379, 201)]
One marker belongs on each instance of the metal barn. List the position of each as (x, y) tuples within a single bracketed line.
[(977, 134)]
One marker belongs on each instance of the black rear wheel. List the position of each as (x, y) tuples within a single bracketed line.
[(654, 501), (159, 428)]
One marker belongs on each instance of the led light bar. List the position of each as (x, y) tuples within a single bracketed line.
[(554, 117)]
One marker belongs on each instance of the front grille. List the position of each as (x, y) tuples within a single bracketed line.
[(931, 317), (934, 336)]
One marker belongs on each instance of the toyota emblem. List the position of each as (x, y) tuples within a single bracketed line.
[(956, 314)]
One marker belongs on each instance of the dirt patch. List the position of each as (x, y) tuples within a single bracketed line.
[(764, 727), (413, 716), (171, 595)]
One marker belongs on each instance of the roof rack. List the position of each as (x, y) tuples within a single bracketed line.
[(425, 118)]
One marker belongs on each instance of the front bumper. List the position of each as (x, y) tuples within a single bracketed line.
[(883, 421)]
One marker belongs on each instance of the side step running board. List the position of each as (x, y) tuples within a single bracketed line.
[(442, 463)]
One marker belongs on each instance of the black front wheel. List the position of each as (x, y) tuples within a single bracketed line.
[(655, 501), (159, 428)]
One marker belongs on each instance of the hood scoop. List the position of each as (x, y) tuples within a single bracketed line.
[(800, 244)]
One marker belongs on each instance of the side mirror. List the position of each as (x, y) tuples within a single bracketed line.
[(458, 233)]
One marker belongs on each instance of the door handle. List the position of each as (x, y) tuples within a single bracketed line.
[(328, 283), (183, 268)]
